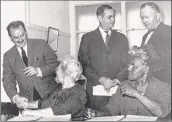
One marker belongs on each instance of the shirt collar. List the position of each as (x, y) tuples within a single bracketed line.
[(102, 31), (157, 25), (25, 48)]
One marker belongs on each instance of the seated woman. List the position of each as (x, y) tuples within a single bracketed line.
[(142, 94), (70, 99)]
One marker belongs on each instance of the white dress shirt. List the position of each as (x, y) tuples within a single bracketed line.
[(103, 33), (24, 48), (150, 34)]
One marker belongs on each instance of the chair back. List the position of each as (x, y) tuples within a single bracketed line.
[(82, 81)]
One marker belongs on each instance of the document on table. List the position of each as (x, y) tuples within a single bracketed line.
[(139, 118), (107, 118), (99, 90), (66, 117), (25, 118)]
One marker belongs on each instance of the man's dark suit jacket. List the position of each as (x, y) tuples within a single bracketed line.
[(39, 55), (98, 62), (161, 40)]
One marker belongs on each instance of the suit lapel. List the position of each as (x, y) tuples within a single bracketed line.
[(156, 32), (29, 52), (99, 40), (18, 58), (112, 41)]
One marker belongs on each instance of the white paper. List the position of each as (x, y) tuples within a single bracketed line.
[(139, 118), (66, 117), (107, 118), (25, 118), (100, 91)]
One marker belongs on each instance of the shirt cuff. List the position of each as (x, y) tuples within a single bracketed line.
[(14, 98), (39, 72), (39, 103), (100, 80)]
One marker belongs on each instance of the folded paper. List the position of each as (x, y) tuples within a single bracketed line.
[(99, 90)]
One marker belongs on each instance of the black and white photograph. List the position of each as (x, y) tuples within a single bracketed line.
[(86, 60)]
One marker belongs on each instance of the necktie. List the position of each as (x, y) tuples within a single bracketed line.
[(146, 35), (25, 59), (107, 39)]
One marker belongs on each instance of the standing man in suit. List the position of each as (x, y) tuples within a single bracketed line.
[(100, 54), (30, 63), (159, 35)]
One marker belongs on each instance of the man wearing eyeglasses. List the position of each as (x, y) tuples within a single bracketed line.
[(30, 63)]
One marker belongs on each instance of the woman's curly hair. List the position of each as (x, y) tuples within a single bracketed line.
[(69, 66), (146, 52)]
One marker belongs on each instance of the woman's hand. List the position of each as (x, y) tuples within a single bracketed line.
[(127, 89)]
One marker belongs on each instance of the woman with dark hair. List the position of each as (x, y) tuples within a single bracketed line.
[(142, 93)]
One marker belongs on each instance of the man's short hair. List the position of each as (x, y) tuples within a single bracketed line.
[(15, 24), (152, 5), (101, 9)]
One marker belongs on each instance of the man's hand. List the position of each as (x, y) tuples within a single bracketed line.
[(127, 89), (89, 113), (21, 102), (106, 82), (33, 105), (30, 71), (115, 82)]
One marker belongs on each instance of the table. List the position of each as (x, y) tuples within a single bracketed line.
[(12, 111), (129, 118), (111, 118)]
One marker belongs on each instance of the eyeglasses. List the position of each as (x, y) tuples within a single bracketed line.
[(23, 36)]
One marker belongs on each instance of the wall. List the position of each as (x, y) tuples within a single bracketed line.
[(72, 21), (10, 10), (18, 10), (83, 19), (134, 21), (50, 14), (63, 42)]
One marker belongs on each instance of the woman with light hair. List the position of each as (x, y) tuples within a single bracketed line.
[(70, 98)]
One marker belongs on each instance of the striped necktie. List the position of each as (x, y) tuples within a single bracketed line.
[(25, 59), (107, 39)]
